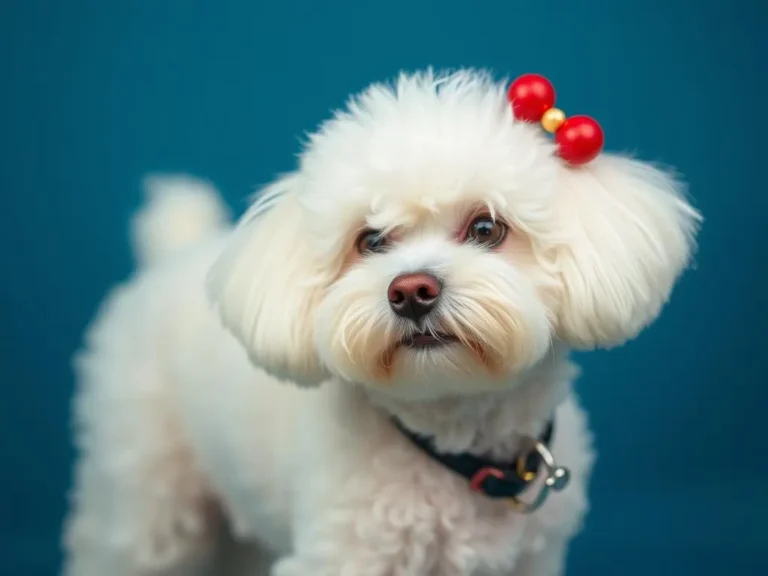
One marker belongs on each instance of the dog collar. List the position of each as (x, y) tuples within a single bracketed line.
[(503, 481)]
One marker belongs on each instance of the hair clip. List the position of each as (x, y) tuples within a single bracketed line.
[(579, 139)]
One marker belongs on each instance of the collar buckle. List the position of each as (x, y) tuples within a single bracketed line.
[(556, 477)]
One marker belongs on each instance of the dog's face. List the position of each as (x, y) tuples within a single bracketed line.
[(431, 245)]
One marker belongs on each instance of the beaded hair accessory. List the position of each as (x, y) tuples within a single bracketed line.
[(579, 139)]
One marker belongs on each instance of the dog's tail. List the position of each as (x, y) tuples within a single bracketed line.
[(179, 211)]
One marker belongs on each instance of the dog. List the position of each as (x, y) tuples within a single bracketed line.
[(369, 374)]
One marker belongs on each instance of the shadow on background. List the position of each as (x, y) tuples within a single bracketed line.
[(96, 94)]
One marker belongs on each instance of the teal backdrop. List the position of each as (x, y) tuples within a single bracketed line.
[(95, 94)]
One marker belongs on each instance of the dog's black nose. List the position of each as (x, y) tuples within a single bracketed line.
[(413, 296)]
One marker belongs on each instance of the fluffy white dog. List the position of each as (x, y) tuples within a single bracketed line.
[(369, 375)]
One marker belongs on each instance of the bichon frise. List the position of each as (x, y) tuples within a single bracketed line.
[(369, 375)]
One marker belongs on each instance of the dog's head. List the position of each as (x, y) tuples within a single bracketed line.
[(430, 244)]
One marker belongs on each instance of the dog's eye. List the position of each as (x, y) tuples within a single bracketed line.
[(371, 241), (486, 231)]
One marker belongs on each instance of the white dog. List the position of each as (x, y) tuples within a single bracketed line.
[(369, 375)]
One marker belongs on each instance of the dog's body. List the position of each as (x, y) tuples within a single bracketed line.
[(185, 422)]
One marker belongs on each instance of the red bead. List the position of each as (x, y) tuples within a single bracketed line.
[(531, 95), (579, 139)]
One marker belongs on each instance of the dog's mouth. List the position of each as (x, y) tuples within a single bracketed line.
[(428, 340)]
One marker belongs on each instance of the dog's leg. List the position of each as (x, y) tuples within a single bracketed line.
[(340, 552), (139, 505), (357, 542), (139, 510)]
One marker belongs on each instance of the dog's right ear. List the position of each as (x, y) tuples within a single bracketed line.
[(265, 285)]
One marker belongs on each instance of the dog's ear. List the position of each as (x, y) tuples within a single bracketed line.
[(629, 234), (265, 285)]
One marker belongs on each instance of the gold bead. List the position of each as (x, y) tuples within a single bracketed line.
[(552, 120)]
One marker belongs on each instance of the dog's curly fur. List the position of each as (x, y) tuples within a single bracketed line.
[(186, 413)]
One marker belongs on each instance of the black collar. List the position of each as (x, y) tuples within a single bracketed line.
[(494, 479)]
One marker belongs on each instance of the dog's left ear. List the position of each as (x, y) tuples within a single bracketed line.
[(266, 284), (629, 234)]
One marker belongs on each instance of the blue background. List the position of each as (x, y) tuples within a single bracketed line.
[(95, 94)]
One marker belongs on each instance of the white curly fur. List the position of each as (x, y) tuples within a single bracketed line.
[(186, 415)]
